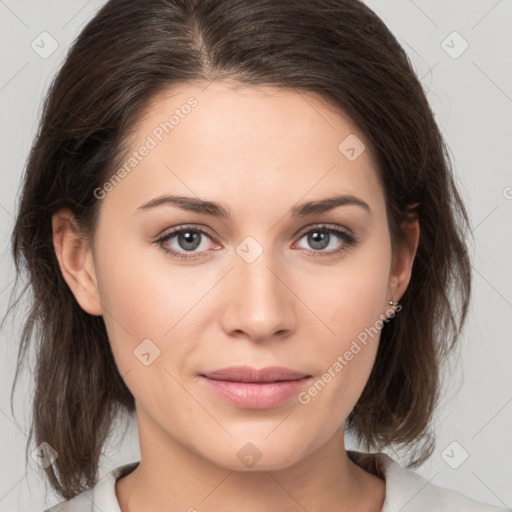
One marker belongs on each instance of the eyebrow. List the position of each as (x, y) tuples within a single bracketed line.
[(196, 205)]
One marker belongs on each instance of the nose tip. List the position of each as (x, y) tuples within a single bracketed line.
[(258, 303)]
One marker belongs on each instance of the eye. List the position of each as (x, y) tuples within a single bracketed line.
[(186, 239), (324, 236)]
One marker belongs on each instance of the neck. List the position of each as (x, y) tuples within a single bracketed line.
[(172, 477)]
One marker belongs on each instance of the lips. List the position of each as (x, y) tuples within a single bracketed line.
[(253, 375), (250, 388)]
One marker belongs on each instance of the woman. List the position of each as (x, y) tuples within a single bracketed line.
[(239, 222)]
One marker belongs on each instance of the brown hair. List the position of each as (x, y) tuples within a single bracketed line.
[(134, 50)]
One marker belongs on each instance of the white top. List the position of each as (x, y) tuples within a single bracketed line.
[(406, 491)]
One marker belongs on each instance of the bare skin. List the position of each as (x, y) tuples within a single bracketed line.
[(259, 152)]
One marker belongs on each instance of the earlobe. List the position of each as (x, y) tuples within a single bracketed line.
[(75, 259)]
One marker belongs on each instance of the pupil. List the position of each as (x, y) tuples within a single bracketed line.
[(317, 239), (187, 238)]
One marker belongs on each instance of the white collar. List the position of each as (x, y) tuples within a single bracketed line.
[(406, 491)]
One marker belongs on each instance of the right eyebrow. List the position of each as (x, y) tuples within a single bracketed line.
[(188, 203)]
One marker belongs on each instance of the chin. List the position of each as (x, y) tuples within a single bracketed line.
[(257, 455)]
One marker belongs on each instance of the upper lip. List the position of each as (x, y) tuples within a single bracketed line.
[(248, 374)]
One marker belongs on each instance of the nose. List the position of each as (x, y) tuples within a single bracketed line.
[(258, 301)]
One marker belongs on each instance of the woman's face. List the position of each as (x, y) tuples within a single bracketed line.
[(263, 285)]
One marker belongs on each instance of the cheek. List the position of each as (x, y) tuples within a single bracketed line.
[(147, 312), (143, 300), (354, 293), (138, 290), (352, 303)]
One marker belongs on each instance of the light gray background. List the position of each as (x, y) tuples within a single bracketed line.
[(472, 98)]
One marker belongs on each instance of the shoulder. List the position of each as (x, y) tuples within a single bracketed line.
[(81, 503), (408, 491), (101, 497)]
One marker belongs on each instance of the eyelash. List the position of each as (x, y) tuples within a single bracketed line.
[(347, 238)]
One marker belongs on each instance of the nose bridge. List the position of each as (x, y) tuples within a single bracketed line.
[(259, 279), (259, 302)]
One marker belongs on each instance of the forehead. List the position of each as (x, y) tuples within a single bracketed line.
[(222, 110), (230, 142)]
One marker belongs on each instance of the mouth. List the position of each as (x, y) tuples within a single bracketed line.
[(252, 375), (248, 388)]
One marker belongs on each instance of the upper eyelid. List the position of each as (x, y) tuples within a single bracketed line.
[(184, 227), (327, 226)]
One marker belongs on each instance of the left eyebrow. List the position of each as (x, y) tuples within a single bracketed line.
[(325, 205)]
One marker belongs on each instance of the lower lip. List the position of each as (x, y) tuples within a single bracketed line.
[(249, 395)]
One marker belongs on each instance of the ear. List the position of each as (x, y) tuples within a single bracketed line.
[(76, 261), (403, 260)]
